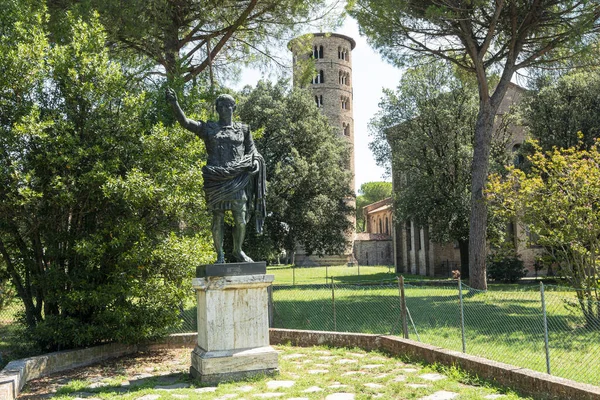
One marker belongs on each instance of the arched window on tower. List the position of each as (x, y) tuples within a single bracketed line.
[(344, 78), (317, 52), (319, 100), (345, 103), (380, 226), (342, 53), (346, 129), (387, 226), (319, 78)]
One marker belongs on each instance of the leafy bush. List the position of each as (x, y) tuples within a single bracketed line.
[(7, 294), (505, 266)]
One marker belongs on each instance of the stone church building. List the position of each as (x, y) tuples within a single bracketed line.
[(415, 253), (375, 245)]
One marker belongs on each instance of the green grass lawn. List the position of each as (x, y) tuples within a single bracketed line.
[(290, 275), (499, 325)]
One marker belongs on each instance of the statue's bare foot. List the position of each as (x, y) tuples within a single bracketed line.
[(242, 257), (220, 259)]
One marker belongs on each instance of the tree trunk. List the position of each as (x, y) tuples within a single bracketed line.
[(484, 127), (463, 247), (479, 214)]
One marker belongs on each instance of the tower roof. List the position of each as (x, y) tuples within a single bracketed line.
[(327, 34)]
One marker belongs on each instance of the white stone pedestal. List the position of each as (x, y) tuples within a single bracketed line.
[(233, 328)]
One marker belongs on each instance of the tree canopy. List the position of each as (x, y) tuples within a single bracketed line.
[(483, 37), (558, 201), (186, 37), (95, 196), (307, 174), (559, 109)]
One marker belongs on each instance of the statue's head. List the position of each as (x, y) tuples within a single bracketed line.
[(224, 102)]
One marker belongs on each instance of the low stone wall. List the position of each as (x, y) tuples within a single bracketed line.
[(16, 373), (523, 380)]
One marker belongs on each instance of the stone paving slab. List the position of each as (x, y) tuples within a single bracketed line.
[(372, 366), (280, 384), (312, 389), (371, 385), (441, 395), (417, 385), (354, 373), (432, 377), (317, 371), (340, 396), (208, 389), (149, 397)]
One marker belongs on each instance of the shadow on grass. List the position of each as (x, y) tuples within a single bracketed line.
[(83, 388)]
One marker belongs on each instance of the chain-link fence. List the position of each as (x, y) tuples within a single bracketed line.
[(11, 332), (544, 329)]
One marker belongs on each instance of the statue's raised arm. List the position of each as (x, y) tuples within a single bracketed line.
[(189, 124)]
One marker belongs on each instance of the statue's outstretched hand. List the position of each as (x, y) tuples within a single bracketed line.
[(170, 96), (255, 168)]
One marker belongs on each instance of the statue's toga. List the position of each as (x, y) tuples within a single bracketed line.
[(234, 174)]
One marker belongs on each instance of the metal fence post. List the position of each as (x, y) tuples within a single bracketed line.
[(403, 307), (547, 346), (333, 304), (462, 316)]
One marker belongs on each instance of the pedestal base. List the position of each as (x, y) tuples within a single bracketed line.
[(212, 367)]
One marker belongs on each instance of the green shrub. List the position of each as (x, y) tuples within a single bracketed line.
[(7, 294), (505, 265)]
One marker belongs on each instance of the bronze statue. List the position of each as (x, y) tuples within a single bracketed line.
[(234, 174)]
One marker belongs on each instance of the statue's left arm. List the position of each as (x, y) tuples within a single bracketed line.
[(249, 147)]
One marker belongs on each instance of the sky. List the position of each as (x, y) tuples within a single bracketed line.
[(370, 74)]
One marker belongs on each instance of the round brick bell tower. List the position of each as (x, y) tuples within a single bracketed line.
[(331, 85)]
